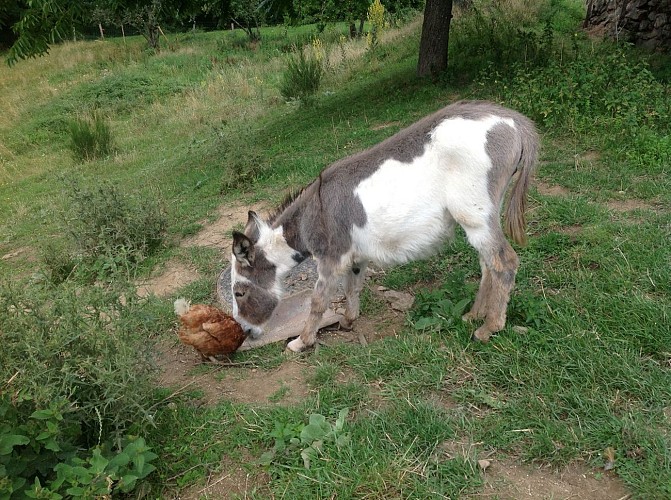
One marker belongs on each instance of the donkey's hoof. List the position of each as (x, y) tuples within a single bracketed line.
[(296, 345), (481, 335)]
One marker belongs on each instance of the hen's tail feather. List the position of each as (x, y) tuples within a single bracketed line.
[(182, 306)]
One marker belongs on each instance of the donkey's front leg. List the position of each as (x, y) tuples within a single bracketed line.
[(325, 288)]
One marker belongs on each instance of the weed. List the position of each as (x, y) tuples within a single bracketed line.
[(376, 20), (91, 137), (114, 231), (83, 382), (38, 460), (435, 310), (313, 440), (302, 78)]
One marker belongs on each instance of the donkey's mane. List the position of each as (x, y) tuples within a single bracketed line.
[(293, 195)]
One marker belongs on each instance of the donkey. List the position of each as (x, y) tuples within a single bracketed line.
[(395, 202)]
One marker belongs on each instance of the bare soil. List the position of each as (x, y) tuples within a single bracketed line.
[(181, 369)]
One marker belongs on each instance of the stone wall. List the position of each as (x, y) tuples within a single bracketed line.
[(644, 22)]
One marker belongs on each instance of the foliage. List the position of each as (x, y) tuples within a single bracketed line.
[(42, 22), (74, 369), (302, 78), (436, 310), (249, 16), (601, 85), (313, 439), (498, 34), (38, 459), (113, 231), (91, 137)]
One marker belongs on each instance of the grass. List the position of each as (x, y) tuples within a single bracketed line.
[(204, 124)]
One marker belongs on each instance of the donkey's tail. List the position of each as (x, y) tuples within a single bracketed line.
[(515, 220)]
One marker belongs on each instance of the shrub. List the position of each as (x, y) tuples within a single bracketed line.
[(90, 137), (500, 33), (114, 231), (302, 78), (74, 377), (593, 87)]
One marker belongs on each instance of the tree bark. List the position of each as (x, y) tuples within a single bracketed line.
[(435, 38)]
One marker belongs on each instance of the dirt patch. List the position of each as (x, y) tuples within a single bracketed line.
[(22, 252), (628, 205), (512, 481), (182, 370), (383, 125), (507, 479), (216, 233), (551, 189), (232, 480), (573, 230), (174, 275)]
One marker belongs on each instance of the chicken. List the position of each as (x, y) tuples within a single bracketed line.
[(210, 331)]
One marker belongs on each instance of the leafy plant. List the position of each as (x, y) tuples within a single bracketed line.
[(313, 439), (38, 458), (90, 137), (434, 309)]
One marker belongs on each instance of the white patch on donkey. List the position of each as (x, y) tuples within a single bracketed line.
[(395, 202)]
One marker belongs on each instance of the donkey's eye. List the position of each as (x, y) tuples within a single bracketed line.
[(239, 294)]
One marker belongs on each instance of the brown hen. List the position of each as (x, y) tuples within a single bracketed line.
[(207, 329)]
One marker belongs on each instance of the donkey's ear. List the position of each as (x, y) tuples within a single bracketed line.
[(243, 249), (254, 225)]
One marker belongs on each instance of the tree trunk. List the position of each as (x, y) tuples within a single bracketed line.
[(435, 38)]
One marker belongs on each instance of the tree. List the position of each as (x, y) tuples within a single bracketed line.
[(248, 15), (435, 37), (41, 23)]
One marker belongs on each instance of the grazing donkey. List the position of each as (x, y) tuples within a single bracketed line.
[(395, 202)]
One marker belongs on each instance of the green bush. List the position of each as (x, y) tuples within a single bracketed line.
[(302, 78), (90, 137), (498, 34), (114, 231), (599, 87), (74, 377)]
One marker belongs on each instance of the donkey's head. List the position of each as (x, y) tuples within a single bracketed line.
[(261, 259)]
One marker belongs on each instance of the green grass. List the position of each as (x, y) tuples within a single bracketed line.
[(204, 124)]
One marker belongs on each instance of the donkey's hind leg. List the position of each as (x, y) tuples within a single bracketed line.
[(325, 288), (501, 264), (353, 285), (479, 309)]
